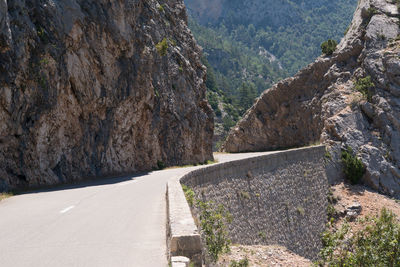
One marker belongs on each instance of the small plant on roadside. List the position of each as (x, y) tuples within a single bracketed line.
[(241, 263), (354, 169), (161, 165), (189, 194), (214, 220), (328, 47), (5, 195)]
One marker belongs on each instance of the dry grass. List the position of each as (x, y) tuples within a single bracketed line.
[(208, 162), (5, 195)]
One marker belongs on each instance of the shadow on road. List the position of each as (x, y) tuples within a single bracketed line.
[(86, 182)]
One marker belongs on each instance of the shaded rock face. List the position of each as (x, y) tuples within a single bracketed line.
[(321, 103), (89, 88)]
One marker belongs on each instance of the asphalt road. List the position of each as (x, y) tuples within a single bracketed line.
[(110, 222)]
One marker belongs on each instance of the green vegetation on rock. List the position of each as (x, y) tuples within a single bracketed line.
[(376, 244), (162, 47), (241, 263), (354, 169), (328, 47), (364, 86)]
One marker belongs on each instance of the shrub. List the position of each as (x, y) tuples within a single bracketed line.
[(242, 263), (354, 169), (189, 194), (161, 165), (162, 47), (213, 222), (364, 86), (376, 244), (370, 13), (328, 47)]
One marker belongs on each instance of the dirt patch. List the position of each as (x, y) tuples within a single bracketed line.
[(264, 256), (371, 202)]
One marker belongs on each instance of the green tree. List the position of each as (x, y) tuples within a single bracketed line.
[(247, 94), (328, 47)]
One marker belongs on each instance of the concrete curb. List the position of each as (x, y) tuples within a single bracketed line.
[(183, 236)]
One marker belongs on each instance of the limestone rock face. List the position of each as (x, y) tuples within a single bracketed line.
[(321, 103), (98, 87)]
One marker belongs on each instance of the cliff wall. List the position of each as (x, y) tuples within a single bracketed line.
[(98, 87)]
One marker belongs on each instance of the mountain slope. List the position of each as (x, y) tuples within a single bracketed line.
[(290, 30), (250, 45)]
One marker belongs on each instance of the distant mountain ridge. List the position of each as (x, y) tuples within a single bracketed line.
[(239, 39)]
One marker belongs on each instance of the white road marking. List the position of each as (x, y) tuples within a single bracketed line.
[(67, 209)]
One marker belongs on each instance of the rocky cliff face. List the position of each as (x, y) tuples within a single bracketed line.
[(98, 87), (322, 104)]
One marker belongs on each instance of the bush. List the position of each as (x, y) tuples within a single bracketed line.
[(161, 165), (328, 47), (242, 263), (354, 169), (364, 86), (376, 244), (189, 194), (213, 222)]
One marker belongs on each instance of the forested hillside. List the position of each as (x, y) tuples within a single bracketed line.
[(249, 45)]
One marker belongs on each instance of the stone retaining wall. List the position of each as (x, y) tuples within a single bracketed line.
[(279, 198)]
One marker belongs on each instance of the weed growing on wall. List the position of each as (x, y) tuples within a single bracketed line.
[(376, 244), (189, 194)]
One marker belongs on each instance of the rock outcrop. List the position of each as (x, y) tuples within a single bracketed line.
[(98, 87), (323, 102)]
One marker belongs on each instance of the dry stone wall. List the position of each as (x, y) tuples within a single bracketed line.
[(278, 198)]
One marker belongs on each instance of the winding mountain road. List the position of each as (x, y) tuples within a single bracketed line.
[(110, 222)]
